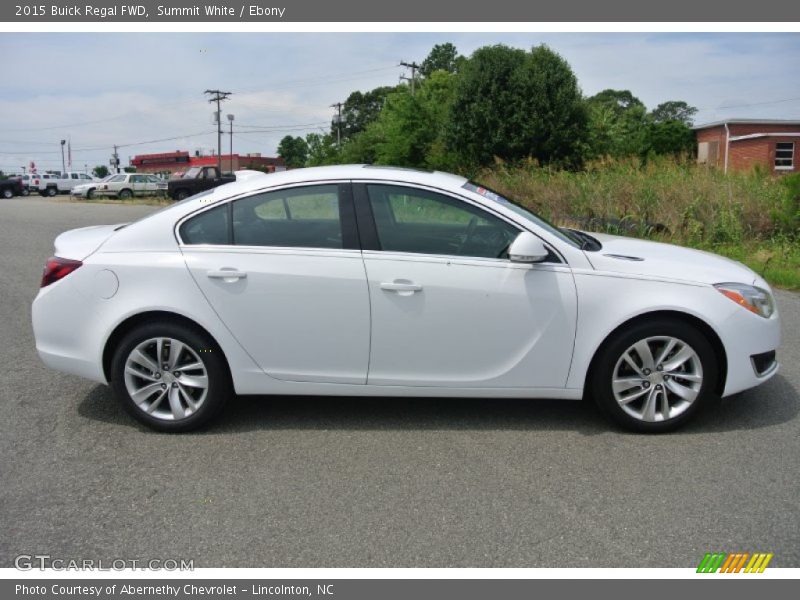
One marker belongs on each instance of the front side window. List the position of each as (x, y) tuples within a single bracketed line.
[(419, 221), (784, 155), (306, 217)]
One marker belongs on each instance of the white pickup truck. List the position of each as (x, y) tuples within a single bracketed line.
[(64, 183)]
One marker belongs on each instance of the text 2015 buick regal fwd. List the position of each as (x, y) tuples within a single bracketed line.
[(357, 280)]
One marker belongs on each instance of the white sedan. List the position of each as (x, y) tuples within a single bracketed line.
[(86, 190), (127, 185), (370, 281)]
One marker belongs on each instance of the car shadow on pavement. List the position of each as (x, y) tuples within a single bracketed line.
[(773, 403)]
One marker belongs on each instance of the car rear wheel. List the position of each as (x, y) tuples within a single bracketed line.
[(51, 191), (170, 377), (181, 195), (654, 376), (25, 192), (90, 194), (124, 194)]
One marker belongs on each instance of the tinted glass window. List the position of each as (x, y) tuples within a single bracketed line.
[(305, 217), (419, 221), (210, 227)]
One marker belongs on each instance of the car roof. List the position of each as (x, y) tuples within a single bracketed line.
[(258, 181)]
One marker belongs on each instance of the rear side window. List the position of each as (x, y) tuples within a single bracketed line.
[(305, 217), (209, 227)]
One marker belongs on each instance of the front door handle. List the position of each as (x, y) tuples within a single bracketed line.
[(401, 286), (227, 274)]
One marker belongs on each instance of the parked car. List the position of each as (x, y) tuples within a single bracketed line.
[(63, 184), (197, 179), (127, 185), (12, 186), (86, 190), (373, 281)]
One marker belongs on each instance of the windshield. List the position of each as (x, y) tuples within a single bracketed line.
[(565, 236), (191, 173)]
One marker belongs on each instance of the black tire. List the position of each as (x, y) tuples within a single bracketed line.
[(8, 193), (25, 192), (600, 381), (125, 194), (181, 194), (51, 191), (90, 194), (219, 382)]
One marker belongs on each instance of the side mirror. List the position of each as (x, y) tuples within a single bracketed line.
[(527, 248)]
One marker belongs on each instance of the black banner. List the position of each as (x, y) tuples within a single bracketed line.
[(407, 11)]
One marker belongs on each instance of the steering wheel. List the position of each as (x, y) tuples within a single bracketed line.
[(468, 233)]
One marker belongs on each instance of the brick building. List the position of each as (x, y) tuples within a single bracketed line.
[(741, 144), (170, 163)]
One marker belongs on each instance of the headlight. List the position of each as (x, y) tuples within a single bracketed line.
[(752, 298)]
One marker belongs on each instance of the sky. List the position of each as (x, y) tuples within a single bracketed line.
[(144, 92)]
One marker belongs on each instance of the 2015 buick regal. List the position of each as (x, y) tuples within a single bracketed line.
[(359, 280)]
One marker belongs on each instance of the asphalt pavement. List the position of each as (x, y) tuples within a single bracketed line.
[(346, 482)]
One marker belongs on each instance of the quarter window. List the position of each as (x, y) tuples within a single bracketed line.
[(306, 217), (415, 220), (784, 155), (209, 227)]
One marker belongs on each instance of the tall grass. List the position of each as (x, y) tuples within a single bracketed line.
[(751, 216)]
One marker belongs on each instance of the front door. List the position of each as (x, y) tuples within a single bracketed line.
[(283, 271), (448, 307)]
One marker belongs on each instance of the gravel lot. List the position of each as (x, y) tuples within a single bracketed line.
[(343, 482)]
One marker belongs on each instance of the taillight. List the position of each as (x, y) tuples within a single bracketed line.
[(58, 268)]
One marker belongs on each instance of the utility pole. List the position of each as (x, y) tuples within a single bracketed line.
[(115, 160), (218, 96), (338, 119), (230, 120), (413, 66), (63, 164)]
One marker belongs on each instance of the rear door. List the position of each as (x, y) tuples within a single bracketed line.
[(283, 271)]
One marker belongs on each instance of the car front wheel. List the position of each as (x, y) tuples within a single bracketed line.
[(8, 194), (655, 375), (170, 377)]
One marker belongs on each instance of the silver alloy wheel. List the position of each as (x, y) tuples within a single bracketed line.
[(657, 378), (166, 379)]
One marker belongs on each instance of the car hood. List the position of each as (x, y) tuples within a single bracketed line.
[(666, 261), (80, 243)]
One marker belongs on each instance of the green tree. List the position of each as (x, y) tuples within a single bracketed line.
[(669, 137), (442, 57), (293, 151), (100, 171), (618, 124), (321, 150), (513, 104), (411, 129), (359, 110), (674, 110)]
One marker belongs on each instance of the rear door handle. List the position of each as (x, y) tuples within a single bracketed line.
[(226, 274), (401, 286)]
